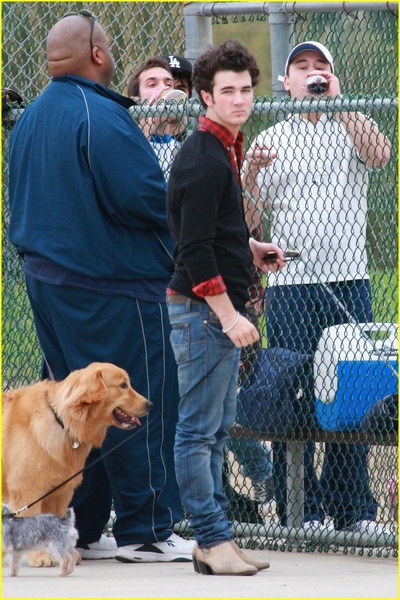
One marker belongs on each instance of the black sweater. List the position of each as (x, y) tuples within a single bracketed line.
[(206, 218)]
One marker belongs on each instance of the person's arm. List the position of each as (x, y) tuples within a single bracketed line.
[(260, 249), (370, 143), (156, 125), (129, 181), (258, 156), (237, 327)]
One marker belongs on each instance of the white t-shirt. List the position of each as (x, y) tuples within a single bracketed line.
[(316, 195), (166, 148)]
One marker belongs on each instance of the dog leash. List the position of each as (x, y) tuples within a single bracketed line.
[(339, 304), (379, 351), (85, 468)]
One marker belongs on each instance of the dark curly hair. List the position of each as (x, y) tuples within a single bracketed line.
[(228, 56)]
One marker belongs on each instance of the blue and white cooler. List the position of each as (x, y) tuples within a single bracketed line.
[(354, 366)]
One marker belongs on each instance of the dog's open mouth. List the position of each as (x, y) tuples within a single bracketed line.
[(125, 420)]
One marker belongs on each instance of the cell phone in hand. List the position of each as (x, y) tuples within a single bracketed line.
[(271, 257)]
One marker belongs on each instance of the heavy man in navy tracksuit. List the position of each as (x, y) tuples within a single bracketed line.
[(87, 200)]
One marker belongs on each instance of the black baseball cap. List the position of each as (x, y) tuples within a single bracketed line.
[(179, 66)]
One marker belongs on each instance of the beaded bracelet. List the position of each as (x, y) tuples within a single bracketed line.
[(233, 324)]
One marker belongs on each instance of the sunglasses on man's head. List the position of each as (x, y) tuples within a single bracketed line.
[(11, 96), (89, 15)]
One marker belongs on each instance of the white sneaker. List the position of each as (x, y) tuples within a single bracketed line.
[(367, 526), (315, 526), (174, 549), (106, 547)]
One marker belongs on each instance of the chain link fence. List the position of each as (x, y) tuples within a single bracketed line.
[(354, 366)]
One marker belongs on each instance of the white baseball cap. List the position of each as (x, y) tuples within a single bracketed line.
[(316, 46)]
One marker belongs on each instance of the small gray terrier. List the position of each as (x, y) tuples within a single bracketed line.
[(25, 534)]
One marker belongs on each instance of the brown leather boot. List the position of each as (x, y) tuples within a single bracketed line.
[(220, 560), (259, 564)]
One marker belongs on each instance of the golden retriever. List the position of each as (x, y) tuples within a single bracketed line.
[(49, 429)]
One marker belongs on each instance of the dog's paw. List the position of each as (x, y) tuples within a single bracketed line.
[(78, 557), (41, 559)]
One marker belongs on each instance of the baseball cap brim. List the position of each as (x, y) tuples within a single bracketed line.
[(311, 45)]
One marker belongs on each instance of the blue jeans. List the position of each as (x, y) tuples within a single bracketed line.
[(253, 457), (296, 317), (208, 364)]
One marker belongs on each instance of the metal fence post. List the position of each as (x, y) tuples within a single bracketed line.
[(198, 30), (198, 35), (281, 28), (295, 483)]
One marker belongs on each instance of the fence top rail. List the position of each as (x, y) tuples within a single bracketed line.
[(220, 9), (334, 104), (259, 107)]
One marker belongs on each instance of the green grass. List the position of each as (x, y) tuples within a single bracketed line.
[(385, 296)]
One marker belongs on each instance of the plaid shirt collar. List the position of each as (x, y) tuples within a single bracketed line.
[(228, 140)]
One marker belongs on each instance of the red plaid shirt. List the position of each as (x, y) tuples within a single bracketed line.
[(233, 145)]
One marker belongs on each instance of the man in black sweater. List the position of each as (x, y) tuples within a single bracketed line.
[(207, 297)]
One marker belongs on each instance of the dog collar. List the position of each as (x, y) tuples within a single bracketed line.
[(75, 443)]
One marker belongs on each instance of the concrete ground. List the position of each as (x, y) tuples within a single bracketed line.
[(291, 575)]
